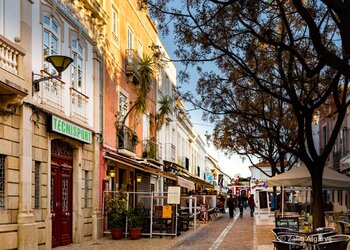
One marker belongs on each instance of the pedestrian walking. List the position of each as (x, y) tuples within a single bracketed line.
[(245, 201), (251, 204), (240, 206), (231, 205)]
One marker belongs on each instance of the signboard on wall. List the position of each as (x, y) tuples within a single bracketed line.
[(69, 129)]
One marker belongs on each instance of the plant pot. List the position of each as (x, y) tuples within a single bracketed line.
[(117, 233), (135, 233)]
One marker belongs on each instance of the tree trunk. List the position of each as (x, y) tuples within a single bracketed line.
[(316, 205)]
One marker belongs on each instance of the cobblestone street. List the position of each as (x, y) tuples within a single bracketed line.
[(224, 233)]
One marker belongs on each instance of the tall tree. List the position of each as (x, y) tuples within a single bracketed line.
[(297, 52)]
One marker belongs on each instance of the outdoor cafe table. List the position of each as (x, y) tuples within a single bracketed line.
[(310, 238)]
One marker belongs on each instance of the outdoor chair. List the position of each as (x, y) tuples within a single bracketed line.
[(281, 230), (326, 231), (285, 245), (344, 225), (335, 242)]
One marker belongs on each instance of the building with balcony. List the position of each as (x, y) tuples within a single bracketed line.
[(131, 154), (49, 145)]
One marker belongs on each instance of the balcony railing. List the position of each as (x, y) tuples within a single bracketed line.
[(12, 82), (150, 150), (78, 105), (127, 139), (9, 56), (132, 63), (50, 92), (170, 152)]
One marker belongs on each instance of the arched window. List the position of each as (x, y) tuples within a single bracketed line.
[(77, 65), (51, 42)]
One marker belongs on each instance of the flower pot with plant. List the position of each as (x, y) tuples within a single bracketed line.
[(135, 221), (117, 213)]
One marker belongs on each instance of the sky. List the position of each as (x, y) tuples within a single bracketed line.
[(232, 165)]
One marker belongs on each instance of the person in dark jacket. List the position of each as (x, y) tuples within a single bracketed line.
[(251, 204), (231, 205)]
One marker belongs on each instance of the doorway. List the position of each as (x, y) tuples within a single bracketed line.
[(61, 193)]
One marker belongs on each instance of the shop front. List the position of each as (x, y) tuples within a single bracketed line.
[(72, 155)]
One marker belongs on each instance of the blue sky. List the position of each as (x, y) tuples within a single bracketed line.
[(231, 165)]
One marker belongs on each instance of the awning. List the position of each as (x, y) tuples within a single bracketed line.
[(137, 165), (200, 181), (182, 182)]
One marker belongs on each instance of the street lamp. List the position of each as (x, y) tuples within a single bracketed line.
[(60, 63)]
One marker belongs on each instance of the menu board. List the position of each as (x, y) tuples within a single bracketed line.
[(290, 222), (174, 193), (167, 212)]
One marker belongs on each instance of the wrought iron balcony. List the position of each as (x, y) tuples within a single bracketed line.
[(132, 64), (127, 141), (150, 150)]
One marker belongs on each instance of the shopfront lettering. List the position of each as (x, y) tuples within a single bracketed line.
[(69, 129)]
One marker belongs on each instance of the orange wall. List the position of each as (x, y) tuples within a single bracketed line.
[(114, 73)]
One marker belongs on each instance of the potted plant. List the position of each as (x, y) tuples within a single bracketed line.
[(117, 213), (135, 221)]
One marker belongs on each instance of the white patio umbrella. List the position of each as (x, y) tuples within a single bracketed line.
[(300, 177)]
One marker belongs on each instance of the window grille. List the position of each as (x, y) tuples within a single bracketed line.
[(86, 189), (37, 185), (2, 181)]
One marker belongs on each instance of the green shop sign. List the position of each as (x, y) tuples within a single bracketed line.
[(61, 126)]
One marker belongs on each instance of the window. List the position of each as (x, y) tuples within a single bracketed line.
[(130, 38), (324, 136), (139, 49), (123, 106), (114, 25), (37, 185), (77, 65), (2, 181), (86, 189), (50, 42), (2, 17), (145, 127)]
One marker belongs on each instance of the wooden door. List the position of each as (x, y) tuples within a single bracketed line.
[(61, 201)]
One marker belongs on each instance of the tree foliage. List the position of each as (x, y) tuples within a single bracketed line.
[(293, 54)]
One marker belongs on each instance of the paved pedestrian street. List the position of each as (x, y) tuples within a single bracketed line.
[(223, 233)]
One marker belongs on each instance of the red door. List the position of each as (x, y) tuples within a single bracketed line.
[(61, 201)]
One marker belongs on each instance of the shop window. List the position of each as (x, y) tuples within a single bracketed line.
[(51, 42), (86, 189), (37, 185), (2, 181)]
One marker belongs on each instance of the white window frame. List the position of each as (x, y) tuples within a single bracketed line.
[(139, 48), (78, 56), (2, 16), (130, 38), (145, 127), (125, 107), (48, 28), (115, 25)]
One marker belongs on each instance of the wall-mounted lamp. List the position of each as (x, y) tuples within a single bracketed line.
[(60, 63), (112, 173), (111, 170), (138, 178)]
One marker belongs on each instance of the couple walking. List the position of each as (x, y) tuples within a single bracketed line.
[(231, 205)]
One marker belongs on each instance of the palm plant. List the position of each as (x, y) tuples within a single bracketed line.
[(143, 87), (163, 111)]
